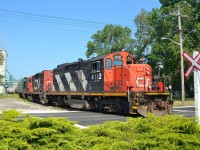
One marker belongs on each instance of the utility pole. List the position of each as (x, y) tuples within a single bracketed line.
[(182, 64), (181, 52)]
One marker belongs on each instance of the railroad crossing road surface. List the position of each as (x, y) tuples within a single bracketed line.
[(83, 118), (187, 111)]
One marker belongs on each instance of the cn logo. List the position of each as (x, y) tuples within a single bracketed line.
[(195, 63)]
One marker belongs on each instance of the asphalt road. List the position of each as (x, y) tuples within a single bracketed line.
[(86, 118), (188, 111), (83, 118)]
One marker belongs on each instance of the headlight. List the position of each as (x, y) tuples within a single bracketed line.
[(170, 87), (150, 86)]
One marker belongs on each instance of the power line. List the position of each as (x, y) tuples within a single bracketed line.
[(52, 19), (46, 16), (47, 20), (46, 27)]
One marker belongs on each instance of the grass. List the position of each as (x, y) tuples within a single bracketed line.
[(2, 96), (188, 101)]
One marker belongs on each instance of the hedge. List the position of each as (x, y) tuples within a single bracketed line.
[(152, 132)]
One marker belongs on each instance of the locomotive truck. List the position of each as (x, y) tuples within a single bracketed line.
[(114, 82)]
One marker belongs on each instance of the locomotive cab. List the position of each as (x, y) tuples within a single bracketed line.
[(124, 74)]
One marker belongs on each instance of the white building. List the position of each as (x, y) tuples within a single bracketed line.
[(3, 72)]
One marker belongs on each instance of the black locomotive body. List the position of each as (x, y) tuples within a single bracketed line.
[(114, 82)]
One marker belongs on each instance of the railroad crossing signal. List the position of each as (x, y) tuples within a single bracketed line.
[(195, 62)]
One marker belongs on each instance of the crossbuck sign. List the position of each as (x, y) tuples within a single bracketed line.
[(195, 63)]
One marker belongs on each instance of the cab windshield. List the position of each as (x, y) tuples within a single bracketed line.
[(117, 62)]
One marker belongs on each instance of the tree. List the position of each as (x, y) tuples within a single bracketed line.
[(143, 34), (159, 23), (110, 39), (191, 39)]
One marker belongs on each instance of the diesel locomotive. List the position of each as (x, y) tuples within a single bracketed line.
[(114, 82)]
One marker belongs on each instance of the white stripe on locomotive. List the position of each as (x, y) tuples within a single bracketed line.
[(59, 81), (82, 79), (70, 82)]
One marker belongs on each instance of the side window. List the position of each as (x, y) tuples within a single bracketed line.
[(96, 67), (95, 72), (108, 63), (129, 60)]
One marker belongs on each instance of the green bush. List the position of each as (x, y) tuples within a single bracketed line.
[(153, 132), (10, 114)]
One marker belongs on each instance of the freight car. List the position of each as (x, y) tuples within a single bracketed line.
[(34, 87), (114, 82)]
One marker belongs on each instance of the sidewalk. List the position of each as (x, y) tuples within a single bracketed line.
[(26, 107)]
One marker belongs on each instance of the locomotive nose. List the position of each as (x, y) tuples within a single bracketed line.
[(140, 77)]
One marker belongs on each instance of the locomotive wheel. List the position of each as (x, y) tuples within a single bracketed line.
[(61, 101), (149, 108), (30, 98), (44, 101), (65, 102), (112, 105), (169, 109), (23, 96)]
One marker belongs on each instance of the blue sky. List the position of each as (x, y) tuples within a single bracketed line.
[(34, 44)]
